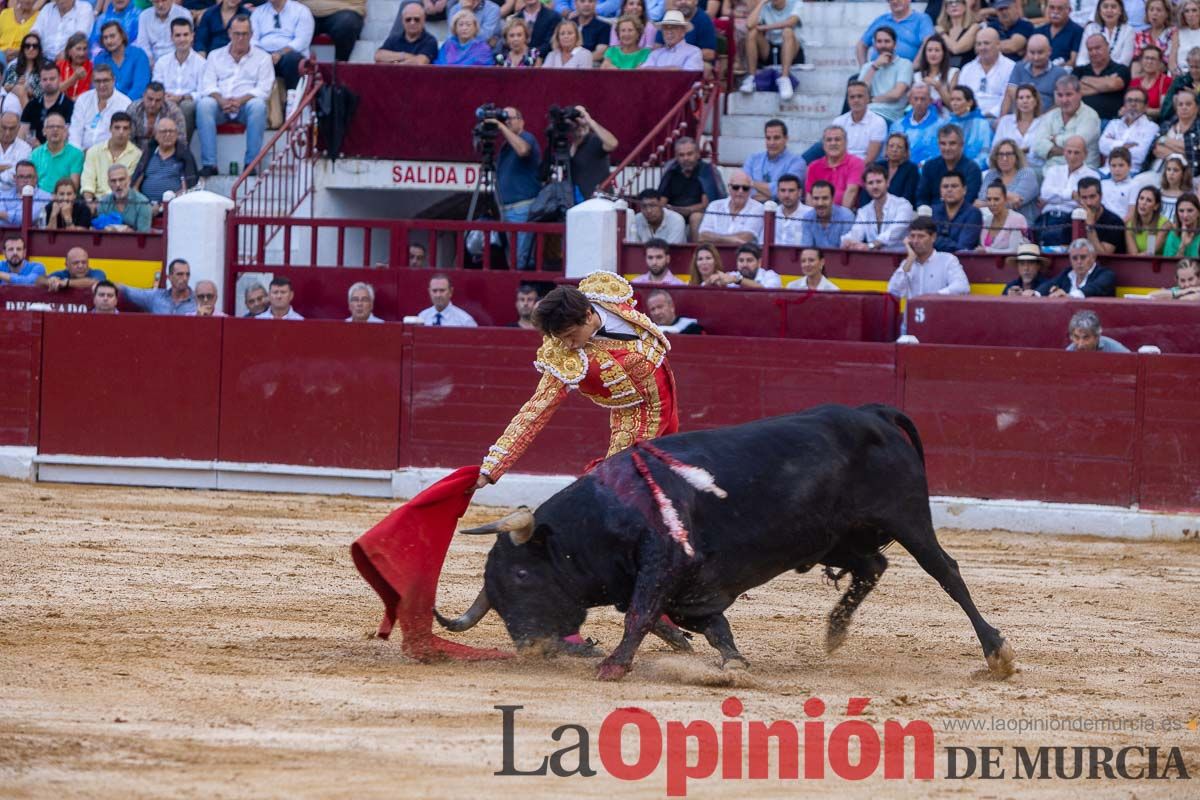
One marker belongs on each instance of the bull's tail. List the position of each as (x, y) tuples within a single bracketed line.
[(898, 418)]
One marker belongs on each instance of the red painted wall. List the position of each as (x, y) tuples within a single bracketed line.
[(20, 377), (130, 385), (431, 118), (1039, 322), (996, 422), (315, 393)]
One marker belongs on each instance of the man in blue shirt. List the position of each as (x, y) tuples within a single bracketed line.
[(178, 299), (15, 270), (1012, 26), (766, 168), (911, 29), (123, 11), (959, 223), (131, 67), (920, 125), (12, 209), (826, 223), (517, 165), (1065, 34), (78, 274)]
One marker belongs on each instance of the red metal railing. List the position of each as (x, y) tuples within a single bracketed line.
[(280, 178), (697, 114), (385, 242)]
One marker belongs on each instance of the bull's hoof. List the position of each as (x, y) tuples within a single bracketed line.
[(1002, 662), (735, 664), (611, 672), (581, 648), (835, 637)]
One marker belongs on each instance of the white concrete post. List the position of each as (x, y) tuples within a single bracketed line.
[(591, 237), (196, 233)]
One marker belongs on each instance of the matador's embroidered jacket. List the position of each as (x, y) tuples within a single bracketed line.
[(630, 378)]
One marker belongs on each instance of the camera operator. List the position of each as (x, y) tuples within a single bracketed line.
[(517, 164), (590, 145)]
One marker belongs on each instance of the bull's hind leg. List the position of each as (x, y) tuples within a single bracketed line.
[(923, 544), (717, 632), (865, 572)]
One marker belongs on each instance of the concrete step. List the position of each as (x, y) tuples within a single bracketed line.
[(761, 106)]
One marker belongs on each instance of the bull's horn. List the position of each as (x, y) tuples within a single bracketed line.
[(518, 525), (470, 618)]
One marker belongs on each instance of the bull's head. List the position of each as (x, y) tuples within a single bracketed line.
[(522, 584)]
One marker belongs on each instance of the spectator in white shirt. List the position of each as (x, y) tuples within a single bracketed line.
[(280, 300), (736, 219), (56, 23), (154, 28), (237, 82), (987, 76), (750, 272), (182, 72), (658, 265), (656, 221), (882, 223), (865, 130), (443, 313), (92, 117), (1132, 129), (812, 268), (361, 299), (924, 269), (789, 228), (1058, 198), (1118, 190), (284, 28), (12, 148)]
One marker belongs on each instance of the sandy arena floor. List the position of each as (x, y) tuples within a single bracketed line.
[(199, 644)]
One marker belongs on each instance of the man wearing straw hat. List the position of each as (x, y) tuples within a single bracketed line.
[(675, 52), (1029, 262)]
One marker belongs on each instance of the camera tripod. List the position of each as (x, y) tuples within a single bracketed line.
[(486, 187)]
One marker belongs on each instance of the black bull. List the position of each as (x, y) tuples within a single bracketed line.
[(832, 486)]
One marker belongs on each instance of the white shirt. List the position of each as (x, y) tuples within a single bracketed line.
[(55, 28), (859, 135), (940, 274), (1117, 197), (1077, 285), (897, 213), (989, 86), (452, 317), (788, 227), (1137, 137), (1006, 128), (10, 103), (19, 150), (253, 75), (154, 34), (719, 220), (1058, 185), (672, 230), (371, 318), (89, 125), (291, 314), (766, 278), (1083, 12), (295, 28), (611, 323), (825, 285), (182, 79)]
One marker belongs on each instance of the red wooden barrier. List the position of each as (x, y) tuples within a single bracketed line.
[(316, 393), (430, 113), (1024, 423), (20, 375), (1042, 322), (1169, 472), (130, 385)]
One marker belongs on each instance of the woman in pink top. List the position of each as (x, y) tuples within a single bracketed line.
[(1007, 229)]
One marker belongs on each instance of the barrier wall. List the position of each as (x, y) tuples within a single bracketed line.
[(1173, 327), (431, 120), (996, 422)]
